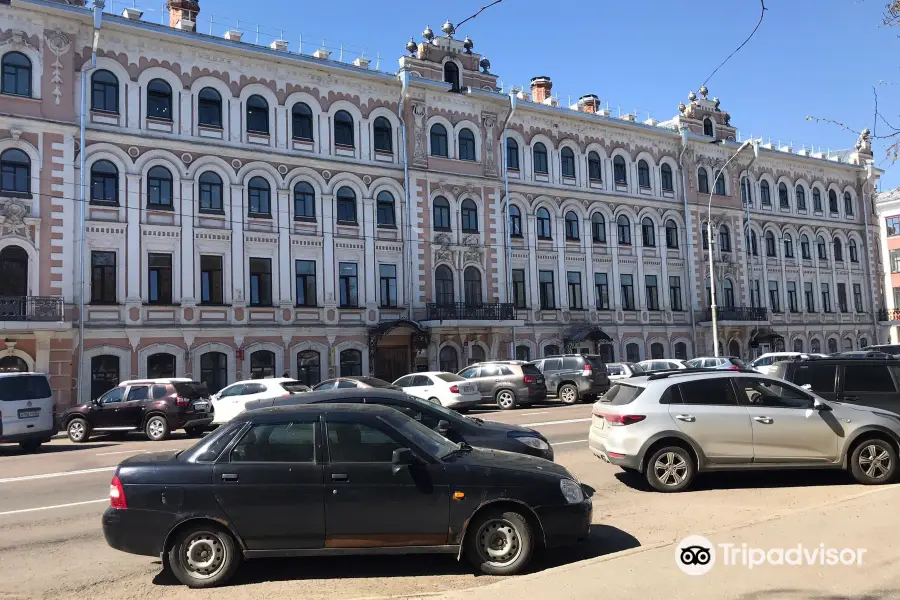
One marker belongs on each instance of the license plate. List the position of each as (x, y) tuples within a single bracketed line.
[(468, 389), (29, 413), (201, 406)]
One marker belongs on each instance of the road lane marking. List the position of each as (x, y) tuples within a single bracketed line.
[(70, 504), (571, 442), (556, 422), (136, 452), (52, 475), (537, 412)]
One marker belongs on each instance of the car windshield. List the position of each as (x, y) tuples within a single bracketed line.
[(450, 377), (375, 382), (294, 387), (432, 442)]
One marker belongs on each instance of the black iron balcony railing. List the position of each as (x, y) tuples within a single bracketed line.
[(31, 308), (889, 315), (736, 313), (462, 311)]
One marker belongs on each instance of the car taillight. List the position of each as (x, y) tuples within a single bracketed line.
[(179, 401), (618, 420), (587, 370), (454, 389), (733, 368), (117, 494), (530, 379)]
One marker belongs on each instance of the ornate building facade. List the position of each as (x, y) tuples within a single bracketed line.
[(248, 211)]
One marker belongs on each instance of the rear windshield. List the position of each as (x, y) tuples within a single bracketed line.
[(294, 387), (450, 377), (24, 387), (595, 361), (190, 389), (739, 363), (530, 369), (621, 393)]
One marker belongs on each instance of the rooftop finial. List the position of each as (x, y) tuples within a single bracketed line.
[(468, 44), (703, 91), (692, 96), (485, 65), (428, 34), (448, 28), (411, 46)]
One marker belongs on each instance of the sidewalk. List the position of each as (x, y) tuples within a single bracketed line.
[(868, 520)]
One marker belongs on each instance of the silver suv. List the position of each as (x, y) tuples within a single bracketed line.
[(669, 426)]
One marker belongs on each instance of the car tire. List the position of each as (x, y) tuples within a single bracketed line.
[(156, 428), (194, 432), (499, 542), (78, 430), (203, 556), (30, 447), (505, 399), (874, 462), (670, 469), (568, 394)]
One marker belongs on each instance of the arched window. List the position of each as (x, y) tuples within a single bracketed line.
[(466, 144), (469, 215), (765, 195), (572, 226), (472, 286), (728, 289), (346, 205), (632, 352), (832, 345), (104, 183), (161, 366), (624, 229), (159, 100), (448, 359), (262, 364), (798, 345), (702, 180), (343, 129), (801, 197), (209, 108), (804, 247), (385, 209), (441, 209), (211, 192), (302, 122), (720, 184), (815, 346), (439, 146), (304, 201), (451, 75), (551, 350), (838, 250), (657, 351), (708, 127), (704, 236), (257, 115), (848, 344), (832, 203), (648, 232), (515, 221), (539, 153), (383, 135), (724, 239), (666, 175), (680, 350), (443, 285), (16, 74), (823, 251), (851, 246), (523, 353), (863, 342), (817, 200), (104, 374), (734, 348), (598, 228), (104, 92), (671, 234), (351, 363), (567, 162), (309, 367), (770, 244), (746, 191), (259, 197), (754, 250), (14, 280), (783, 200), (620, 173), (848, 204), (643, 174), (477, 354), (595, 167), (788, 246), (512, 155), (214, 371), (544, 228), (15, 171), (159, 188)]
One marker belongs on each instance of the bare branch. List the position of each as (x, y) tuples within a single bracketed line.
[(832, 122)]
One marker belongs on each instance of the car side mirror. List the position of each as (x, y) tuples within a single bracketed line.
[(443, 427), (807, 387), (96, 402), (402, 457)]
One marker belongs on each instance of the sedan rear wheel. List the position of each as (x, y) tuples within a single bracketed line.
[(500, 542), (568, 393), (506, 399), (203, 556)]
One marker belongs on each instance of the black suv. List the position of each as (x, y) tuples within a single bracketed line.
[(574, 376), (871, 382)]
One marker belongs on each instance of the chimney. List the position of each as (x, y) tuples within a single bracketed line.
[(183, 14), (322, 53), (589, 103), (280, 45), (132, 14), (362, 62), (540, 89), (233, 35)]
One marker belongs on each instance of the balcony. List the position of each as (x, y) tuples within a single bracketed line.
[(891, 316), (735, 315), (464, 313), (34, 310)]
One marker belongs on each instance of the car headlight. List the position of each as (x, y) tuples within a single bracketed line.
[(534, 442), (571, 491)]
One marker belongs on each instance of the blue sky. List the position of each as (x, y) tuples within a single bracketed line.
[(809, 57)]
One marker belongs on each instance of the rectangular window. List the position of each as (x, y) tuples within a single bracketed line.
[(857, 297), (826, 298), (159, 278), (792, 296), (211, 285), (893, 225), (349, 285), (715, 392), (842, 297), (895, 261), (652, 291), (601, 291), (574, 280), (774, 298), (518, 283), (547, 290), (810, 297), (388, 285), (675, 292), (628, 292), (103, 277), (260, 282), (305, 276), (896, 297), (755, 294)]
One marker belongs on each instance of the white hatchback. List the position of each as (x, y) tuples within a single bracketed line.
[(26, 410), (765, 363), (447, 389), (230, 401)]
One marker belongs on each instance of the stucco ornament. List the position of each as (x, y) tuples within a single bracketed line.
[(490, 163), (419, 135), (14, 213), (59, 44)]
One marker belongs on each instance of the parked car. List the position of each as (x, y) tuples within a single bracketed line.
[(155, 406), (447, 389), (26, 410), (662, 364), (455, 427), (729, 363), (508, 383), (872, 382), (623, 370), (891, 349), (354, 382), (230, 400), (765, 363), (669, 426), (335, 479), (574, 377)]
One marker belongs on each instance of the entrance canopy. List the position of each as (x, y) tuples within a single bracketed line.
[(766, 336), (593, 333)]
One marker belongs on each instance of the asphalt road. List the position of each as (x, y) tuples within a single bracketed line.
[(51, 544)]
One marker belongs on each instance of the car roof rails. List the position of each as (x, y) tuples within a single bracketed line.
[(697, 371), (854, 356)]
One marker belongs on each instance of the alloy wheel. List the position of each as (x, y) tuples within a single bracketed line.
[(568, 395), (505, 399), (670, 469), (156, 428), (76, 430), (875, 461)]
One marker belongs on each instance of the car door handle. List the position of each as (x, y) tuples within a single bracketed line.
[(340, 477), (686, 418), (851, 398), (764, 420), (229, 476)]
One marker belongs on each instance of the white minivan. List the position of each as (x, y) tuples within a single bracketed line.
[(26, 410)]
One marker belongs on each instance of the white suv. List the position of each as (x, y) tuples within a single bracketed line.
[(230, 401), (671, 425)]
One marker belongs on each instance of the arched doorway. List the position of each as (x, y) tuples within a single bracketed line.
[(13, 364), (13, 283), (734, 348), (396, 348)]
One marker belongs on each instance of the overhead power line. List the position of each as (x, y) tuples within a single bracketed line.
[(762, 13)]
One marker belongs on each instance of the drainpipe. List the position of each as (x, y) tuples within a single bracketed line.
[(509, 294), (95, 41), (865, 203), (690, 246), (407, 241)]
